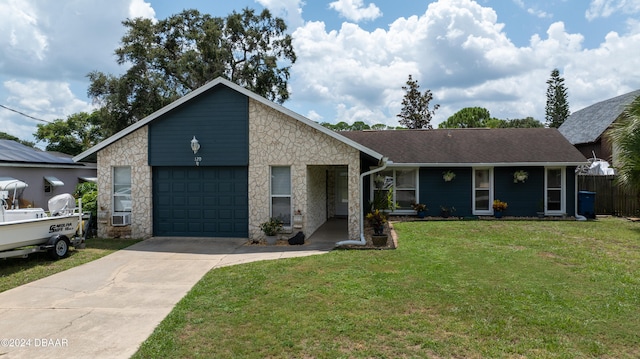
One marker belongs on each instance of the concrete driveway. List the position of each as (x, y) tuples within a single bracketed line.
[(108, 307)]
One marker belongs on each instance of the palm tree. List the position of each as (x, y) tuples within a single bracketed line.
[(625, 138)]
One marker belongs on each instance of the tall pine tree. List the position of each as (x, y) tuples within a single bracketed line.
[(557, 109), (415, 111)]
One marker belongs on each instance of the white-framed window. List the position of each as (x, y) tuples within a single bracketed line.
[(281, 194), (122, 189), (403, 183), (483, 191), (554, 188)]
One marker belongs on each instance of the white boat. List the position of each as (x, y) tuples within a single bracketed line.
[(22, 227)]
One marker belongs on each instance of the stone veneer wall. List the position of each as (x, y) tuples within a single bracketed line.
[(128, 151), (276, 139)]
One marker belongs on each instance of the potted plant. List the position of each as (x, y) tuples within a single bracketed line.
[(420, 208), (448, 176), (377, 219), (445, 212), (270, 229), (499, 207)]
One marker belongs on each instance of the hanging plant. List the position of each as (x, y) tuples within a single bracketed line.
[(520, 176), (448, 176)]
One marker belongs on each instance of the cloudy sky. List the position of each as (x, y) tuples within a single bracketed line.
[(353, 55)]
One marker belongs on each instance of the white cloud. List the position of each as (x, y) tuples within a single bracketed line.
[(314, 116), (533, 11), (459, 51), (140, 8), (58, 40), (606, 8), (289, 10), (354, 10), (456, 48), (20, 32), (539, 13), (45, 100), (50, 100), (54, 46)]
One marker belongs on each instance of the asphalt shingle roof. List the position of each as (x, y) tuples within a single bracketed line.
[(12, 151), (470, 146), (588, 124)]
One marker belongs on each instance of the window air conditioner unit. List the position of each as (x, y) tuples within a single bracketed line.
[(121, 219)]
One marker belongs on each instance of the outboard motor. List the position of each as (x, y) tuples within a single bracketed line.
[(62, 204)]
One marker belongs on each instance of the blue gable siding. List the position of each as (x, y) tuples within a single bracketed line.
[(523, 198), (435, 192), (218, 118)]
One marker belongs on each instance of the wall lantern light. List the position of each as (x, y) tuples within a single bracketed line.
[(195, 145)]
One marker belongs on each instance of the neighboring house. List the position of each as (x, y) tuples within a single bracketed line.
[(221, 160), (37, 176), (586, 128), (485, 163)]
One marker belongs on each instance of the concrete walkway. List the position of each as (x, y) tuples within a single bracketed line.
[(108, 307)]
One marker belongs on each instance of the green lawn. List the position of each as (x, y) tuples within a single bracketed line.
[(18, 271), (461, 289)]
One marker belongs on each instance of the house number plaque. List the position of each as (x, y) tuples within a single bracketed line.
[(197, 159)]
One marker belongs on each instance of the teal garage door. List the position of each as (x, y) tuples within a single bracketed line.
[(200, 201)]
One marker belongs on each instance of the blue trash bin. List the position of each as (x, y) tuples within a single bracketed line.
[(586, 204)]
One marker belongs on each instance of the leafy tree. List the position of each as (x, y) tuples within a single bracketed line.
[(495, 123), (176, 55), (340, 126), (6, 136), (528, 122), (72, 136), (468, 117), (625, 137), (380, 126), (360, 126), (557, 109), (356, 126), (415, 112)]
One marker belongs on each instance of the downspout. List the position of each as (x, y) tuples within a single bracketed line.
[(579, 217), (385, 161)]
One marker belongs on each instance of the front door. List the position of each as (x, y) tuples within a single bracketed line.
[(342, 192)]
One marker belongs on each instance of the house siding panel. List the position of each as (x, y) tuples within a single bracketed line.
[(219, 119), (523, 198), (435, 192)]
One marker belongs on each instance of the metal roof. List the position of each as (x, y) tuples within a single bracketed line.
[(14, 152)]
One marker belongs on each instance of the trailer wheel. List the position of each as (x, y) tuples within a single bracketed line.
[(60, 247)]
